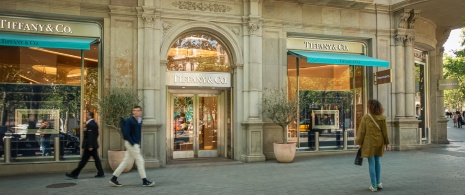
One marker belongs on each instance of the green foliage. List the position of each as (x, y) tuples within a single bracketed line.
[(277, 107), (116, 104), (454, 67)]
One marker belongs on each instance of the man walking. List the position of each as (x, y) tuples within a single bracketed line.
[(90, 146), (132, 138)]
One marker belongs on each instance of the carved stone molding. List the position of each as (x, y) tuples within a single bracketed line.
[(409, 40), (414, 14), (400, 39), (148, 17), (403, 20), (441, 51), (236, 30), (212, 7), (253, 27), (166, 26)]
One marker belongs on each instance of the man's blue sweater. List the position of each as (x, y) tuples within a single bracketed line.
[(132, 130)]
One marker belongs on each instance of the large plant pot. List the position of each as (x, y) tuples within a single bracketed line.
[(114, 159), (284, 153)]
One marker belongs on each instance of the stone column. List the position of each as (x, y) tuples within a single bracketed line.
[(149, 76), (409, 77), (400, 76), (439, 134), (253, 123)]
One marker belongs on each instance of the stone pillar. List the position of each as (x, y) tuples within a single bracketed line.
[(409, 77), (435, 65), (149, 76), (253, 124), (400, 76), (405, 134), (439, 133)]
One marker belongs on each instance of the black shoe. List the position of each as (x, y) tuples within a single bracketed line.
[(148, 183), (71, 175), (100, 176), (115, 183)]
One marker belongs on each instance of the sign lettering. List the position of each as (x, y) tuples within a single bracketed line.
[(198, 79), (383, 76), (35, 27), (446, 84), (420, 55), (326, 46)]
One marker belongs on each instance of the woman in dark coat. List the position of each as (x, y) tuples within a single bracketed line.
[(373, 139)]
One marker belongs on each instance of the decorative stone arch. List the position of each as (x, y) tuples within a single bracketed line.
[(223, 33)]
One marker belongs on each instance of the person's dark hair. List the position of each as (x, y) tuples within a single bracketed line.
[(375, 107), (135, 107), (91, 114)]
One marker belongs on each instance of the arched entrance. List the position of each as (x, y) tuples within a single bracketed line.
[(198, 80)]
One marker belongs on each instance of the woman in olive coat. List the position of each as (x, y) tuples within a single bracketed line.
[(373, 139)]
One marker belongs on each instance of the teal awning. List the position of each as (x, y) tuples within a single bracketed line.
[(339, 58), (45, 41)]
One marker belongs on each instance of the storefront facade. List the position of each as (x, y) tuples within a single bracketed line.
[(200, 69)]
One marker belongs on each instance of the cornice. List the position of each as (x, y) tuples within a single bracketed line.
[(185, 15), (122, 10), (98, 8)]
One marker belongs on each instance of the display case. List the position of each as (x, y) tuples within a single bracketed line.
[(325, 119)]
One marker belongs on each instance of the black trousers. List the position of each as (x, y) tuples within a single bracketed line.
[(85, 158)]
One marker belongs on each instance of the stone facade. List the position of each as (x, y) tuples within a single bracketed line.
[(138, 34)]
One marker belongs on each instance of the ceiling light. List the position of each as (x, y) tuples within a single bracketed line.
[(46, 69), (62, 54), (74, 73)]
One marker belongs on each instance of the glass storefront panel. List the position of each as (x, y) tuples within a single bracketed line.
[(183, 123), (198, 52), (208, 124), (330, 99), (41, 99)]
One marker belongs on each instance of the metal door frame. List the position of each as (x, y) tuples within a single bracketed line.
[(220, 123)]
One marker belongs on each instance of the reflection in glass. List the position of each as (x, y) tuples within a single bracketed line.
[(182, 123), (328, 95), (208, 127), (198, 52), (37, 81)]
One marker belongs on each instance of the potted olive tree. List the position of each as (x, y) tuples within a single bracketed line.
[(114, 106), (281, 110)]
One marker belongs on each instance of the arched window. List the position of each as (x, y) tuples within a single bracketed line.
[(198, 51)]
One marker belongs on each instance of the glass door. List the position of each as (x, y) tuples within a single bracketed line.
[(207, 126), (183, 131), (194, 126)]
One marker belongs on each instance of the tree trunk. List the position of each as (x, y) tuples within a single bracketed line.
[(284, 135)]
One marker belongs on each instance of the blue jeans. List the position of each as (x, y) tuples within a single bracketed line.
[(375, 170), (45, 143)]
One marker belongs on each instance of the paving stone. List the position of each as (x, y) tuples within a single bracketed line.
[(436, 169)]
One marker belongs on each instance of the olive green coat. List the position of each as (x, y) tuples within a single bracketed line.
[(370, 138)]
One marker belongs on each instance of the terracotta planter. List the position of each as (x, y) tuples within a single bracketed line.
[(284, 153), (114, 159)]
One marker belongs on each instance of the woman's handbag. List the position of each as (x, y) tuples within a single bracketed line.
[(358, 157)]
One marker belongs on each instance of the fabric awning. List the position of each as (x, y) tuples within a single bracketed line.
[(339, 58), (45, 41)]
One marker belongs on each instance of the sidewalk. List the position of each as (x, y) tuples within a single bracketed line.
[(439, 169)]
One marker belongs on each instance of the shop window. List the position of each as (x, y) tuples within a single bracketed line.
[(330, 102), (40, 88), (198, 52)]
